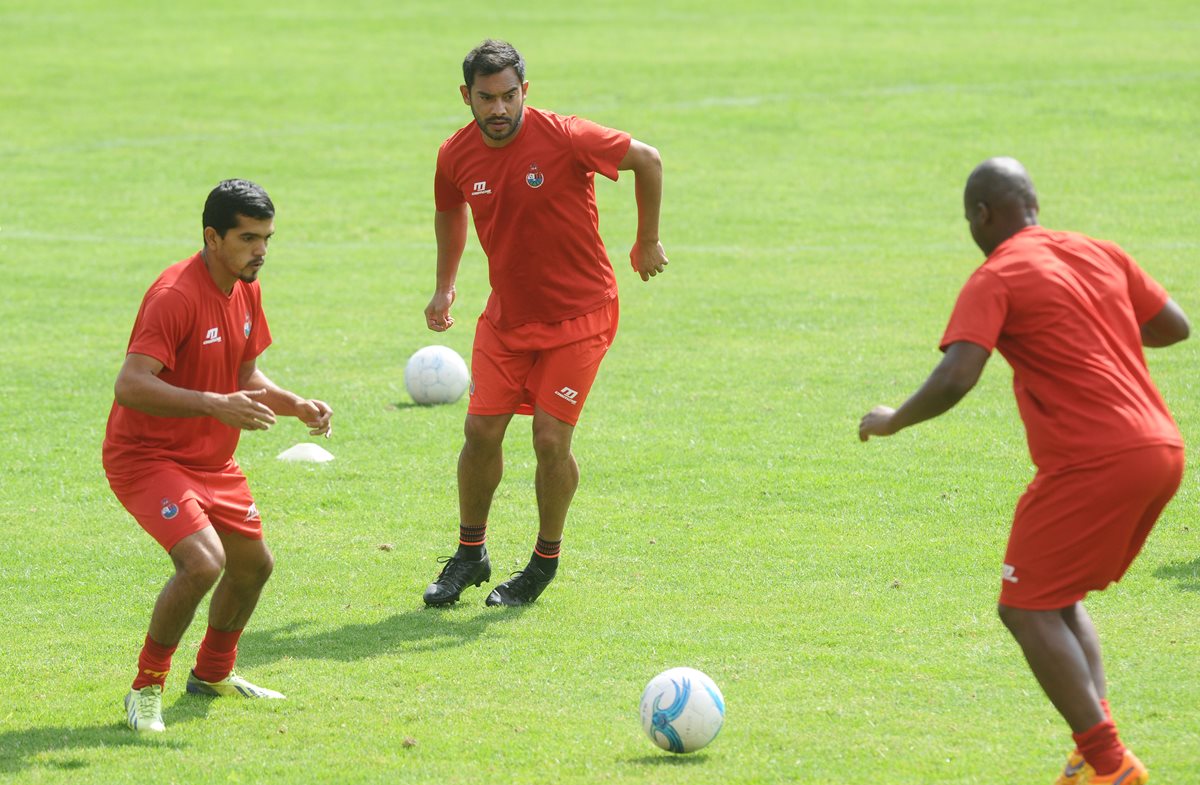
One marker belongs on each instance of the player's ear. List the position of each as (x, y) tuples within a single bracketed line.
[(466, 94), (983, 212), (210, 237), (524, 89)]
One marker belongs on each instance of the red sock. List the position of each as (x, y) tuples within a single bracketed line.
[(154, 663), (1101, 747), (218, 652), (1107, 713)]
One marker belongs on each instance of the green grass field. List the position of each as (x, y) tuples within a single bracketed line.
[(842, 595)]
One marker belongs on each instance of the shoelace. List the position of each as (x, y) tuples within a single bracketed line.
[(453, 565), (148, 704)]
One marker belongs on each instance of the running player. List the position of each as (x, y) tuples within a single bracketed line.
[(528, 177), (1071, 315)]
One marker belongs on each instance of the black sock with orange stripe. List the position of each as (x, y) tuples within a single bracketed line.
[(545, 555), (471, 541)]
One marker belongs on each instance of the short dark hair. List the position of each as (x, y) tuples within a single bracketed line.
[(492, 57), (233, 198)]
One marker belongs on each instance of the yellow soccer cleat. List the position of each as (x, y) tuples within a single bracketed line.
[(1076, 772), (232, 685)]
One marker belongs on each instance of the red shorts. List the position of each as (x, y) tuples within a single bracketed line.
[(551, 366), (1079, 529), (172, 502)]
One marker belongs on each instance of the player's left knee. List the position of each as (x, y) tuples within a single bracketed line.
[(254, 571), (552, 446)]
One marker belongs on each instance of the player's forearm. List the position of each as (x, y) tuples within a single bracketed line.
[(147, 393), (938, 395), (282, 402), (648, 183), (450, 229)]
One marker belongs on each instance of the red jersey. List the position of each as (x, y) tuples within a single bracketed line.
[(1065, 311), (534, 205), (201, 336)]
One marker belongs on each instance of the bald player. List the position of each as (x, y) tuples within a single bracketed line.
[(1070, 314)]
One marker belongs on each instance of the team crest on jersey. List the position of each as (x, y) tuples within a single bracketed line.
[(534, 178), (246, 327), (169, 509)]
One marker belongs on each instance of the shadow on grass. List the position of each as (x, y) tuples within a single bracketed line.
[(668, 759), (402, 405), (22, 749), (418, 630), (1186, 574)]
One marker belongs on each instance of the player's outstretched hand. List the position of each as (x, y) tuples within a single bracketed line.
[(244, 410), (649, 259), (877, 422), (317, 416), (437, 313)]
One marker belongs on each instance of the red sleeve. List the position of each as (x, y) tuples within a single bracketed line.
[(597, 148), (446, 195), (1146, 294), (260, 334), (980, 312), (161, 326)]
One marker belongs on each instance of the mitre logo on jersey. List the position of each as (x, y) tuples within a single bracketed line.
[(246, 327), (212, 336), (481, 189), (252, 512), (169, 509), (534, 178), (1010, 574)]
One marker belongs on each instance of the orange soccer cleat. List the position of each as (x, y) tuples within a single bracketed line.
[(1130, 772)]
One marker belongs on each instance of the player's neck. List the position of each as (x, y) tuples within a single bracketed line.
[(221, 277)]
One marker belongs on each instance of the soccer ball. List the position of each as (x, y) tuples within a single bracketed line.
[(436, 374), (682, 710)]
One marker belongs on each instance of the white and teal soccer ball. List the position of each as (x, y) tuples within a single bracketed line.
[(682, 710), (436, 374)]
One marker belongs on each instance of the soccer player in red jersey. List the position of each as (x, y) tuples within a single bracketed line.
[(188, 387), (1071, 315), (528, 178)]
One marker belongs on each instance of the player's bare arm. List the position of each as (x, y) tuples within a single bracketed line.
[(1168, 326), (317, 415), (952, 379), (450, 228), (647, 255), (138, 387)]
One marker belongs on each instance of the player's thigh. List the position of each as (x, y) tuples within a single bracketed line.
[(563, 377), (165, 499), (231, 506), (1161, 469), (498, 374), (246, 558), (1078, 530)]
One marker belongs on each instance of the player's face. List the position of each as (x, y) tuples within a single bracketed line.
[(497, 102), (242, 252)]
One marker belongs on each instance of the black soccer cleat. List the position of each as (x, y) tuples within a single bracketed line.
[(456, 576), (522, 588)]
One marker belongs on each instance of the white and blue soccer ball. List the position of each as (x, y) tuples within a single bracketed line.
[(436, 374), (682, 710)]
